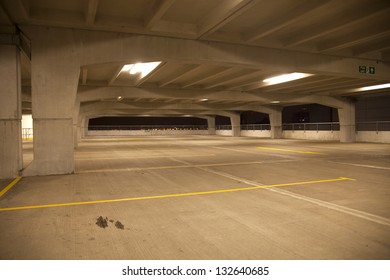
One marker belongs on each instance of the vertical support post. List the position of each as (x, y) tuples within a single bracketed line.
[(211, 125), (275, 118), (236, 125), (347, 122), (54, 79), (11, 156)]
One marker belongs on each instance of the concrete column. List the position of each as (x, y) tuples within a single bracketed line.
[(211, 125), (275, 118), (76, 124), (11, 161), (236, 125), (54, 77), (347, 122)]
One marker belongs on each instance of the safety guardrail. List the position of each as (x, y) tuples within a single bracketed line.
[(27, 134), (255, 127), (325, 126), (373, 126)]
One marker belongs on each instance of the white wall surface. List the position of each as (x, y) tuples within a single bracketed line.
[(373, 136), (311, 135)]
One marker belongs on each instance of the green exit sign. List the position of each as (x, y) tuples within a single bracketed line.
[(363, 69)]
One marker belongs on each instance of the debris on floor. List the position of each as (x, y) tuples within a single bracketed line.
[(103, 223), (119, 225)]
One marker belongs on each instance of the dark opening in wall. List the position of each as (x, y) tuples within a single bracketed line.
[(251, 117), (309, 113), (145, 121)]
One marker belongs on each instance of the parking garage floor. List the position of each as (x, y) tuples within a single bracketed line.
[(204, 197)]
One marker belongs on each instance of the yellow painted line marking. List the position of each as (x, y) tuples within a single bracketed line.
[(169, 167), (290, 151), (174, 195), (141, 157), (7, 188)]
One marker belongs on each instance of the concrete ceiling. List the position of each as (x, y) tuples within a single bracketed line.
[(350, 29)]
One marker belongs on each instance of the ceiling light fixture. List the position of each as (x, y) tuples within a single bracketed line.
[(119, 98), (204, 99), (286, 78), (374, 87), (275, 102), (140, 68)]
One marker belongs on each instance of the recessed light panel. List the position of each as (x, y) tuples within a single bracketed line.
[(286, 78)]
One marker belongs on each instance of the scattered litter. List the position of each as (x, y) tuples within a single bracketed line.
[(101, 222), (119, 225)]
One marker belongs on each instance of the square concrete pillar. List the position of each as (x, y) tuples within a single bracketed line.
[(211, 125), (236, 125), (53, 147), (347, 122), (275, 118), (55, 72), (11, 161)]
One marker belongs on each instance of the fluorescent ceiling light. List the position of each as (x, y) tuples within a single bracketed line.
[(275, 102), (286, 78), (141, 68), (204, 99), (375, 87)]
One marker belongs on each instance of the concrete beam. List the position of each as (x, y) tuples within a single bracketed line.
[(102, 47), (87, 94)]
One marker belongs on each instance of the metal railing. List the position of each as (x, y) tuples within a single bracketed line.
[(27, 134), (223, 127), (373, 126), (255, 127), (325, 126)]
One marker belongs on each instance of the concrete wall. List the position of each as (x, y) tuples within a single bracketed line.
[(256, 133), (311, 135), (223, 132), (373, 136)]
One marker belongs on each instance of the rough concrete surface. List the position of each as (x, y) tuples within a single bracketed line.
[(172, 198)]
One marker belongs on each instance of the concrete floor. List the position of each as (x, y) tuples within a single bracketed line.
[(192, 197)]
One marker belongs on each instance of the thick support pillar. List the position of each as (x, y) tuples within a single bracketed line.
[(275, 118), (211, 125), (236, 125), (54, 79), (10, 112), (347, 122)]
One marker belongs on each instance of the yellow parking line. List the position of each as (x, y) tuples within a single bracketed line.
[(290, 151), (7, 188), (173, 195)]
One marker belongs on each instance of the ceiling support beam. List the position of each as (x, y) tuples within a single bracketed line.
[(184, 74), (90, 11), (356, 16), (116, 74), (292, 16), (221, 15), (84, 76), (350, 42), (156, 13), (211, 77)]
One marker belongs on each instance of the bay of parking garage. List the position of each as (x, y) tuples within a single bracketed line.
[(204, 197)]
